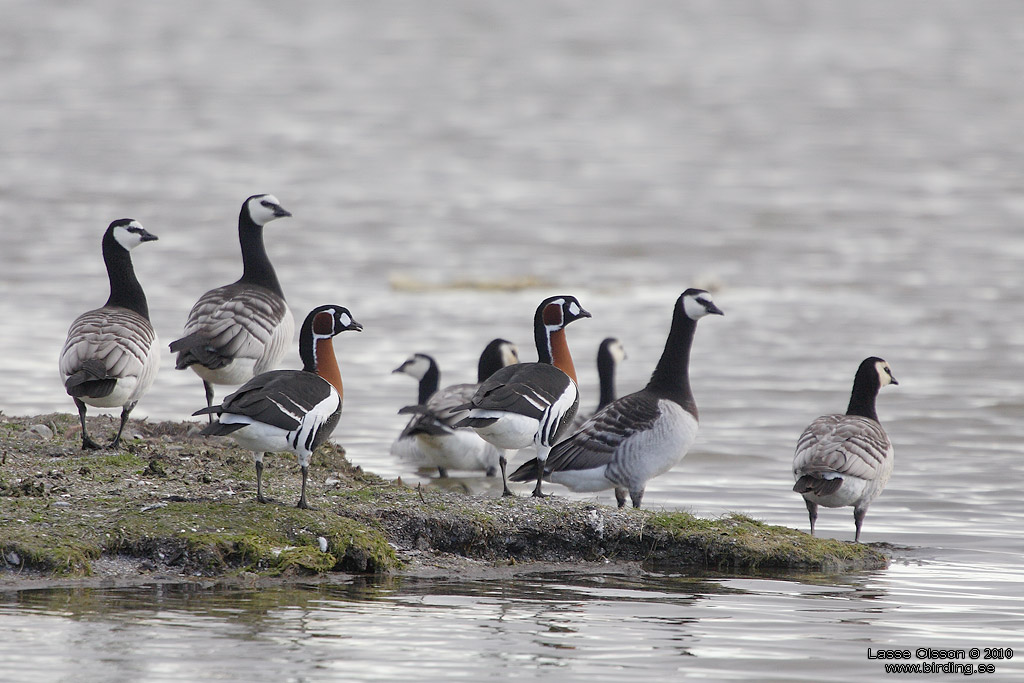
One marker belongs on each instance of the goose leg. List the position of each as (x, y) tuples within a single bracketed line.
[(302, 504), (87, 443), (542, 458), (442, 472), (812, 513), (125, 412), (259, 479), (858, 520), (503, 463), (636, 497), (620, 496), (209, 398)]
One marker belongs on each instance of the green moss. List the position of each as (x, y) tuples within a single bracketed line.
[(213, 537), (37, 535), (120, 461), (739, 542)]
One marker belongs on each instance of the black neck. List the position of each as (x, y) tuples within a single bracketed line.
[(606, 373), (491, 360), (429, 384), (125, 290), (542, 338), (257, 269), (865, 390), (307, 347), (671, 377)]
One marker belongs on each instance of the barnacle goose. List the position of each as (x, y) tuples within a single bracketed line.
[(424, 369), (111, 357), (458, 448), (847, 459), (610, 353), (237, 331), (641, 435)]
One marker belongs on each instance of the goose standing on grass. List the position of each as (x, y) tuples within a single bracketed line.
[(290, 410), (238, 331), (847, 459), (111, 357), (458, 448), (530, 403), (610, 353), (641, 435), (424, 370)]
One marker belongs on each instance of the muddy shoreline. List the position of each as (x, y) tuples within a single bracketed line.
[(173, 506)]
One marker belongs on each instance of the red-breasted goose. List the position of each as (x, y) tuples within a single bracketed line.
[(238, 331), (111, 357), (531, 403), (290, 410), (847, 459), (458, 448), (641, 435)]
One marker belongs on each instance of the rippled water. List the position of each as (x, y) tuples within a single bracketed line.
[(845, 176)]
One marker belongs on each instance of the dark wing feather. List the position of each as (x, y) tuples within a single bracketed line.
[(229, 322), (595, 443), (527, 389), (279, 398), (841, 444)]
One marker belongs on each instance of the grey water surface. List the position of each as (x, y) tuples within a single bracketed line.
[(847, 178)]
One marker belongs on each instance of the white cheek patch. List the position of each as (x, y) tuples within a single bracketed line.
[(260, 213), (884, 377), (574, 308), (509, 354), (127, 239), (693, 308), (618, 352), (345, 319)]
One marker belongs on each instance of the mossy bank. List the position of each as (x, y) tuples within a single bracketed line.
[(173, 502)]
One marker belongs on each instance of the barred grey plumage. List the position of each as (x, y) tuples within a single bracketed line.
[(641, 435), (847, 459), (110, 357), (240, 330)]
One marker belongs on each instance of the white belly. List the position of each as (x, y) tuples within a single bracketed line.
[(462, 450), (510, 431), (854, 491), (238, 371)]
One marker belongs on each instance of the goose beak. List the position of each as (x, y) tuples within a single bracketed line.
[(712, 308), (281, 212), (892, 380), (584, 313), (357, 327), (147, 236)]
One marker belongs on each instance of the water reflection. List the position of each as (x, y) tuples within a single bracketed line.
[(586, 625)]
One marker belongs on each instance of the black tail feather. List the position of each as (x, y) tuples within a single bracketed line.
[(220, 429), (817, 485), (195, 349), (526, 472), (90, 381)]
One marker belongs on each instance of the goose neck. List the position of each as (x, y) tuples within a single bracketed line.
[(125, 290), (671, 377), (256, 266)]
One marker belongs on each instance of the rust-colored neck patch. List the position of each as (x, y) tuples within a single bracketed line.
[(327, 363), (560, 356)]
